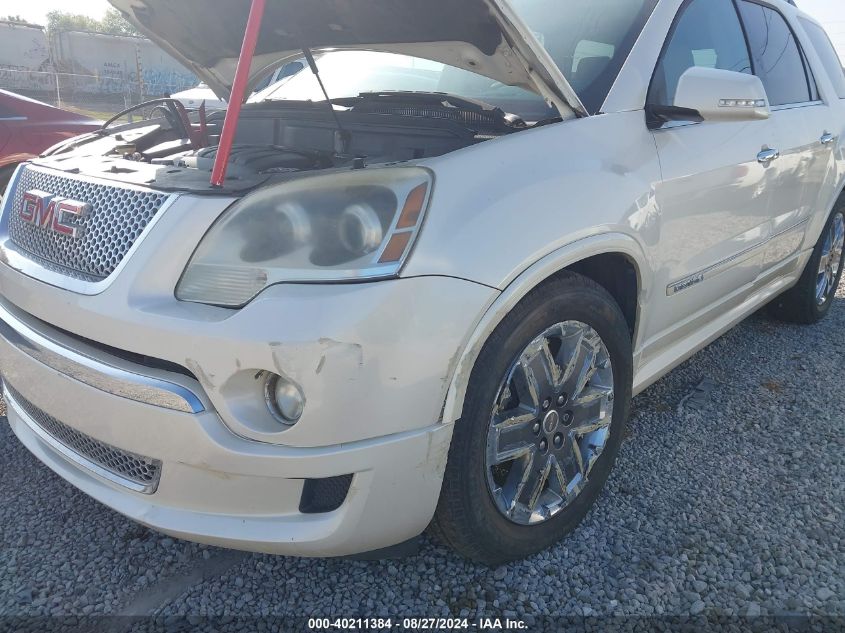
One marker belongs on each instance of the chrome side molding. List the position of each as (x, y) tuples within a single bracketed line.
[(95, 373), (718, 268)]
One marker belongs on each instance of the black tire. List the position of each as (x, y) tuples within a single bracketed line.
[(5, 177), (800, 304), (467, 518)]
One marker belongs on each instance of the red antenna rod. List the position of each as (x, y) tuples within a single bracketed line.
[(236, 99)]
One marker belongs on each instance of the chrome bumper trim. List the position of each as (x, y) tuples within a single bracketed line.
[(72, 456), (95, 373)]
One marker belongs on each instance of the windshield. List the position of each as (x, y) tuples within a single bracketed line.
[(589, 41), (350, 73)]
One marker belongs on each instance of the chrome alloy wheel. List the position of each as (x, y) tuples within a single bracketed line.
[(831, 259), (550, 423)]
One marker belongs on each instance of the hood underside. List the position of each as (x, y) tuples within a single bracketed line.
[(482, 36)]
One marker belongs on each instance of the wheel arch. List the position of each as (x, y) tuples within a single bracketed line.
[(593, 257), (818, 223), (839, 196)]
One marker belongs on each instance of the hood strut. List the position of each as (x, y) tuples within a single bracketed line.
[(239, 86), (341, 141)]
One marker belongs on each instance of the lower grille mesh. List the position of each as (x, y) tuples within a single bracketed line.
[(142, 471)]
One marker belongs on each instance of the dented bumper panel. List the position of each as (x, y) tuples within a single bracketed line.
[(371, 359), (374, 362)]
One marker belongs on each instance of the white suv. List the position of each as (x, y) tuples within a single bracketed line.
[(430, 302)]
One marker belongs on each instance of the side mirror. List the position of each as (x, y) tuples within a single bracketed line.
[(722, 95)]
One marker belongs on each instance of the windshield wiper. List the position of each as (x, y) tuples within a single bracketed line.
[(436, 100)]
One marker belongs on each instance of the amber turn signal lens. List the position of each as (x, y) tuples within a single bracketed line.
[(413, 208), (396, 248)]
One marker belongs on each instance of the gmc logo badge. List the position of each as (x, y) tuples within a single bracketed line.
[(53, 213)]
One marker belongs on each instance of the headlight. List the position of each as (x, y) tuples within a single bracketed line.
[(340, 227)]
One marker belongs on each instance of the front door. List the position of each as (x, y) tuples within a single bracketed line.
[(718, 180)]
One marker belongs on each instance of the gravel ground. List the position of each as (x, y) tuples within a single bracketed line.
[(726, 505)]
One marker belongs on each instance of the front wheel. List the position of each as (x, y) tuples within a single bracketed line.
[(810, 299), (542, 424)]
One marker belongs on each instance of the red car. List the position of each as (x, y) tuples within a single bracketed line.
[(28, 127)]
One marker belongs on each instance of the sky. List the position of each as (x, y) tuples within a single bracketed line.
[(36, 10), (831, 13)]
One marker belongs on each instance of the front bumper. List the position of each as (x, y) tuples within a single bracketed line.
[(374, 361), (253, 504)]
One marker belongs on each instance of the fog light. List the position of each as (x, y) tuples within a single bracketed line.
[(284, 399)]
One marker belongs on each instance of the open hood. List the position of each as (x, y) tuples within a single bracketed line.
[(482, 36)]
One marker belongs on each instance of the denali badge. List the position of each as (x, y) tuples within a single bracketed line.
[(53, 213), (685, 284)]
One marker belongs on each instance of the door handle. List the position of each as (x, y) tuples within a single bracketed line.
[(827, 138), (767, 156)]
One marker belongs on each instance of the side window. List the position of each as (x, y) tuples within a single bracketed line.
[(778, 58), (830, 58), (708, 33)]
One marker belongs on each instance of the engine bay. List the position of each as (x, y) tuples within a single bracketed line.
[(174, 151)]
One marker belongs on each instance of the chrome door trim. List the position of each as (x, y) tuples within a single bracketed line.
[(767, 156), (94, 373), (719, 267), (796, 106)]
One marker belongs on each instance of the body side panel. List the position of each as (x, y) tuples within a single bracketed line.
[(500, 207)]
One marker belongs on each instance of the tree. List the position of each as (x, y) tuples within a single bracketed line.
[(64, 21), (113, 23), (13, 18)]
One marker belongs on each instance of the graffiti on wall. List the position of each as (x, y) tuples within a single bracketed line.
[(24, 57), (87, 63)]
